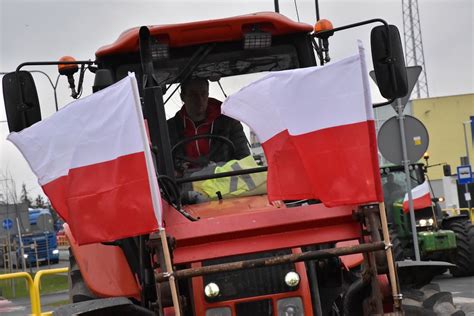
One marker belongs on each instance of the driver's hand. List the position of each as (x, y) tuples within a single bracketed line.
[(185, 165)]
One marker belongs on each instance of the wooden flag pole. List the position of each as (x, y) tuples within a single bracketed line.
[(155, 194), (390, 263), (169, 269)]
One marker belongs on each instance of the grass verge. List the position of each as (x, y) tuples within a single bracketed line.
[(49, 284)]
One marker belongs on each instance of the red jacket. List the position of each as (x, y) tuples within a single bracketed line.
[(200, 147)]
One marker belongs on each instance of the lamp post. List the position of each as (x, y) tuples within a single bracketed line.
[(466, 186)]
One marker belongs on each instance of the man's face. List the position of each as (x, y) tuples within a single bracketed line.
[(195, 99)]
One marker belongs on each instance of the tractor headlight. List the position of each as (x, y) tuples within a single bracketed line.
[(257, 39), (292, 279), (55, 252), (292, 306), (220, 311), (211, 290), (425, 222)]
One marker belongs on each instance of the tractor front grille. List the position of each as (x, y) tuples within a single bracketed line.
[(250, 282)]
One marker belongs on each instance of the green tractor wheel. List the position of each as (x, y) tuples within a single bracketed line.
[(463, 256)]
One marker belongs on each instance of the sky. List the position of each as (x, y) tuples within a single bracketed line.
[(45, 30)]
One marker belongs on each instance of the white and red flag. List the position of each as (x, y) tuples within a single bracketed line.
[(317, 129), (93, 162), (421, 197)]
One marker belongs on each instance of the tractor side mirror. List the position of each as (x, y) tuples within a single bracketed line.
[(389, 63), (21, 100)]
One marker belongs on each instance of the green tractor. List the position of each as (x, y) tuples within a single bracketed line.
[(441, 237)]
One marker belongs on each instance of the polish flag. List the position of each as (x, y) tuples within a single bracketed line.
[(93, 162), (421, 197), (317, 129)]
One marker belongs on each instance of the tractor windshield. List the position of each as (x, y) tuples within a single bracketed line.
[(215, 146), (394, 181), (222, 56)]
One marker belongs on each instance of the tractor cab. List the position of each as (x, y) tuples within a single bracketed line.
[(395, 188)]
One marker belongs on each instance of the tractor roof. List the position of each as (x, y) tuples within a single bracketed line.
[(194, 33)]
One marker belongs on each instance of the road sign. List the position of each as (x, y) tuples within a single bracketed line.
[(464, 174), (413, 72), (7, 224), (390, 144)]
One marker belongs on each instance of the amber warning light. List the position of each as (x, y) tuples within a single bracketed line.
[(67, 69), (323, 25)]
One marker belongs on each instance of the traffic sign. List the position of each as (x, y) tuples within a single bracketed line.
[(464, 174), (413, 72), (7, 224), (390, 143)]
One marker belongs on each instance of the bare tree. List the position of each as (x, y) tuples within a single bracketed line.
[(8, 188), (39, 201), (24, 195)]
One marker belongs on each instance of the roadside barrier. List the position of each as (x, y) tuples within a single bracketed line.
[(459, 211), (34, 286)]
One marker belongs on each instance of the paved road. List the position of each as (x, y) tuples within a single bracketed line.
[(462, 289)]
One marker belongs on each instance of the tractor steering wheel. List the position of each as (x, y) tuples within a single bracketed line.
[(203, 160)]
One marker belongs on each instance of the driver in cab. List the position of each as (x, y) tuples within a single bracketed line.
[(201, 115)]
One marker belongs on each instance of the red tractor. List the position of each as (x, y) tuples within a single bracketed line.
[(231, 256)]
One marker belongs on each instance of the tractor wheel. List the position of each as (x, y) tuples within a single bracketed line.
[(78, 290), (397, 249), (463, 257), (429, 301)]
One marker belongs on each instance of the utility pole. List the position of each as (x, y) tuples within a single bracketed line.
[(414, 55)]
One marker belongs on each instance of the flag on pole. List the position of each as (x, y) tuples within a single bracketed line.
[(317, 129), (421, 197), (93, 162)]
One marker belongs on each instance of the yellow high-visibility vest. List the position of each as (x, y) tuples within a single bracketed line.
[(246, 184)]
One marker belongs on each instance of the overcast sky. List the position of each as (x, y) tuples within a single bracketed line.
[(41, 30)]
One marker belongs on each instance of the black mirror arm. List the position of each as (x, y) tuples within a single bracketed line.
[(389, 60), (24, 106), (377, 105), (329, 33)]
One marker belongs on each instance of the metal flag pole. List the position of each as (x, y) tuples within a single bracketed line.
[(406, 162)]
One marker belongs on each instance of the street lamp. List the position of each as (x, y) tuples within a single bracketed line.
[(466, 186), (465, 140)]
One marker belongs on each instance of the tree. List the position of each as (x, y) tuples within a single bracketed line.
[(24, 196), (39, 201)]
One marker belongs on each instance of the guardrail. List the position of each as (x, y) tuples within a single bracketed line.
[(33, 286), (459, 211)]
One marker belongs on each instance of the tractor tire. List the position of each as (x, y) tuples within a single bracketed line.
[(78, 290), (397, 249), (463, 257), (429, 301)]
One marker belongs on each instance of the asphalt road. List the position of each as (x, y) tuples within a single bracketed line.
[(462, 289)]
